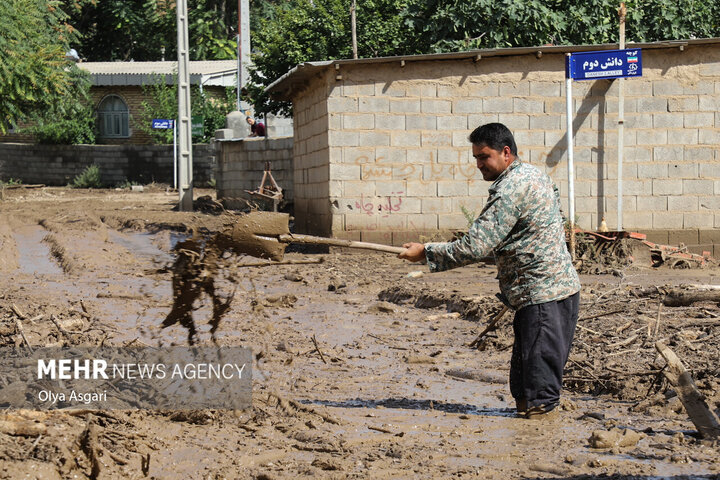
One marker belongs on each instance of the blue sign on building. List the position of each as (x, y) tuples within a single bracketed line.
[(604, 64), (161, 124)]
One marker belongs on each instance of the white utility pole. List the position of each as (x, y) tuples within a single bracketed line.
[(184, 116), (243, 50), (621, 124)]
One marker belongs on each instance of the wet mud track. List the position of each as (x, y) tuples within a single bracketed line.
[(361, 371)]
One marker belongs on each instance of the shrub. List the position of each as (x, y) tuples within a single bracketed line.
[(71, 119), (89, 178)]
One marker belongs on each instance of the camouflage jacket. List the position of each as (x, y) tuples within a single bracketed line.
[(522, 226)]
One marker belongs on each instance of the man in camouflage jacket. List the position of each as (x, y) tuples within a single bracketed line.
[(523, 227)]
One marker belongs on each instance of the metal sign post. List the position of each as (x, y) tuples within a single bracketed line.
[(571, 162), (185, 163), (165, 124), (175, 159), (606, 64)]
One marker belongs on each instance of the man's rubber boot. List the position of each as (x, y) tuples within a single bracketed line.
[(542, 412)]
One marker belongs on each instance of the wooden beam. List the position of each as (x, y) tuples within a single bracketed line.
[(702, 417)]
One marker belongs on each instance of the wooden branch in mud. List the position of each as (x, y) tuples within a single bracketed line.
[(17, 311), (702, 417), (15, 187), (90, 445), (489, 326), (593, 317), (289, 405), (21, 330), (684, 298), (384, 430), (623, 373), (588, 330), (622, 343), (283, 262), (317, 348), (62, 329)]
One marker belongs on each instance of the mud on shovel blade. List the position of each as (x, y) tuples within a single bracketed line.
[(256, 234), (265, 235)]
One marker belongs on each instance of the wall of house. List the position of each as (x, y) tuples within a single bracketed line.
[(133, 96), (400, 165), (241, 163), (312, 162), (59, 164)]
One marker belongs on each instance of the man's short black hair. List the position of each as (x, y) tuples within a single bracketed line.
[(495, 135)]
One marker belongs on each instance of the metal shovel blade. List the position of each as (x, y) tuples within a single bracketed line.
[(255, 234)]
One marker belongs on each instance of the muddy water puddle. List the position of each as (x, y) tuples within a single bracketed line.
[(34, 256), (142, 246)]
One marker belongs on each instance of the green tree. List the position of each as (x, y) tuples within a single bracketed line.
[(33, 68), (456, 25), (299, 31), (140, 29), (71, 120), (163, 103)]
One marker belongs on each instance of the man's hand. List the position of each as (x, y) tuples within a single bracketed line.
[(414, 252)]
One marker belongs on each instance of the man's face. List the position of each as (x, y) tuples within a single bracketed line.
[(492, 163)]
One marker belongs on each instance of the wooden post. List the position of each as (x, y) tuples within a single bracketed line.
[(702, 417)]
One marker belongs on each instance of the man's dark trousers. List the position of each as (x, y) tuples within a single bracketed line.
[(543, 335)]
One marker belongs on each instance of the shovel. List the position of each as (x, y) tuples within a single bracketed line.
[(266, 234)]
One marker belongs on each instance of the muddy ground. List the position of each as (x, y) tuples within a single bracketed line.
[(387, 389)]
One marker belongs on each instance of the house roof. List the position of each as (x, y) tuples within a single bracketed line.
[(214, 72), (297, 78)]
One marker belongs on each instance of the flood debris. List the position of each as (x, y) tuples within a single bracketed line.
[(454, 427), (615, 437), (194, 273), (694, 402), (612, 252)]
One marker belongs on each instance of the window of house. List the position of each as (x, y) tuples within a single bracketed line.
[(113, 118)]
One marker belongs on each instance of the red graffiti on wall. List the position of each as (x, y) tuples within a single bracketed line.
[(383, 206)]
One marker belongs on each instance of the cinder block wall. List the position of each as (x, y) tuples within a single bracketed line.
[(315, 188), (241, 164), (59, 164), (400, 164)]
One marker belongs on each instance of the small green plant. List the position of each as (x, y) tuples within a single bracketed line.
[(469, 216), (126, 184), (11, 181), (89, 178)]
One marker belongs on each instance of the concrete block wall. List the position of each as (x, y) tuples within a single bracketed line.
[(59, 164), (241, 163), (400, 164), (312, 160), (278, 126)]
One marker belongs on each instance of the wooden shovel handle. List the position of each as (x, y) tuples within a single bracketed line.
[(337, 242)]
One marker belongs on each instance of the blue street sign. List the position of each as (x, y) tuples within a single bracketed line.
[(604, 64), (161, 124)]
